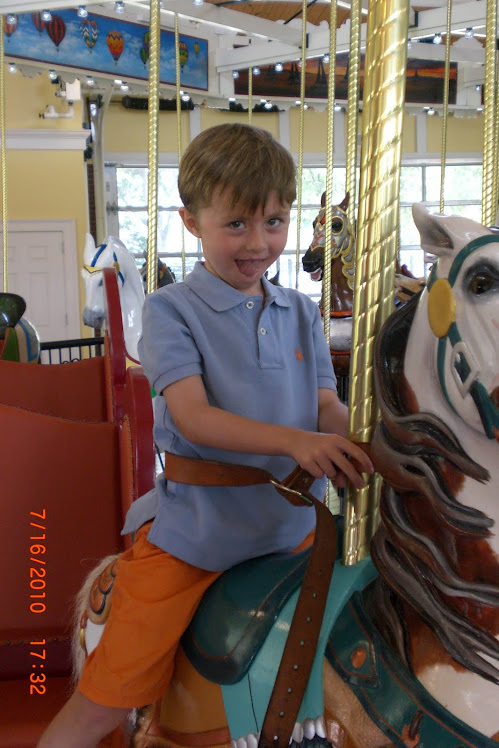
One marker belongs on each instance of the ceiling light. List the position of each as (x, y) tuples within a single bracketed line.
[(46, 16), (235, 74), (469, 32), (431, 111), (198, 2), (325, 59), (232, 99), (478, 87), (297, 103), (278, 67), (124, 86), (409, 43), (12, 67), (52, 75), (338, 107), (305, 106), (186, 97), (82, 12), (437, 39), (479, 108), (90, 81), (119, 6), (118, 82), (10, 19), (268, 105), (256, 70)]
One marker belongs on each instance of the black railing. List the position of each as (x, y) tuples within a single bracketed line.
[(64, 351)]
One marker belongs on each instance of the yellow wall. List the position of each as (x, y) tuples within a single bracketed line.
[(126, 130), (26, 98), (464, 134)]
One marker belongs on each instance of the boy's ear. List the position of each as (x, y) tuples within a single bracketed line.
[(189, 221)]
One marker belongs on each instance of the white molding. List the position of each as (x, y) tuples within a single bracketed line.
[(47, 140), (67, 226)]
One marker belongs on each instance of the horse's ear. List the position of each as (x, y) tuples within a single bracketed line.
[(89, 250), (440, 234), (323, 199), (344, 203)]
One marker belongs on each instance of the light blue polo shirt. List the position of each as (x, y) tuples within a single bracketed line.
[(262, 358)]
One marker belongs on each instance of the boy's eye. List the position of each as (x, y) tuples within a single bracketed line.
[(274, 221), (236, 224)]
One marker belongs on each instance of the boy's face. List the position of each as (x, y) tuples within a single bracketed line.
[(239, 246)]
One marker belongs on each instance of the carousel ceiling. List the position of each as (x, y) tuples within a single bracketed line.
[(264, 32)]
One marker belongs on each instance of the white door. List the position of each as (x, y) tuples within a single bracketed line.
[(38, 270)]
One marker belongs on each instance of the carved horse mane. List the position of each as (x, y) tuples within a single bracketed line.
[(419, 569)]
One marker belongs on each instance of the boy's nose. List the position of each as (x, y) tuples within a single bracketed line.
[(256, 238)]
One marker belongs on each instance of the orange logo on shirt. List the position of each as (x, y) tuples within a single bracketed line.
[(299, 354)]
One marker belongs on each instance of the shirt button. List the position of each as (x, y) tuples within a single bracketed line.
[(263, 331), (250, 304)]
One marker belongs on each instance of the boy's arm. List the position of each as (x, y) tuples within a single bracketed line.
[(204, 424), (333, 414)]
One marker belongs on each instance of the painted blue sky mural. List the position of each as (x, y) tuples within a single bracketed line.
[(105, 45)]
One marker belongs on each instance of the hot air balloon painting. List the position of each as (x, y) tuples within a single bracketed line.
[(38, 22), (10, 27), (196, 49), (90, 32), (183, 53), (143, 55), (116, 44), (146, 42), (56, 29)]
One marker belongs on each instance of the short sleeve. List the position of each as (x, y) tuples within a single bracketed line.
[(167, 350), (325, 372)]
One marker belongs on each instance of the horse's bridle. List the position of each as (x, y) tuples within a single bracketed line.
[(464, 366), (93, 268)]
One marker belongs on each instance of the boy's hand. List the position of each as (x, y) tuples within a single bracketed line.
[(328, 454)]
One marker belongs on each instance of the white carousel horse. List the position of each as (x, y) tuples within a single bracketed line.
[(113, 253), (408, 654)]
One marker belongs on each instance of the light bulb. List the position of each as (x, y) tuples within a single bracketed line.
[(10, 18), (119, 6), (46, 16), (52, 75), (337, 107), (90, 81), (437, 39), (268, 105), (325, 59), (186, 97), (278, 67), (124, 86), (198, 2), (430, 111), (256, 70), (469, 33), (82, 12), (12, 67), (235, 74)]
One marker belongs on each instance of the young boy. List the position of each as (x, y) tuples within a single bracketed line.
[(245, 377)]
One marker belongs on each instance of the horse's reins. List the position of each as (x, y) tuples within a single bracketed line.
[(301, 643), (94, 268)]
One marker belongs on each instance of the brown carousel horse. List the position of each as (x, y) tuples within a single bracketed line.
[(408, 651), (342, 278)]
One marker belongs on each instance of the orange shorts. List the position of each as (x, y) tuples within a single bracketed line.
[(154, 598)]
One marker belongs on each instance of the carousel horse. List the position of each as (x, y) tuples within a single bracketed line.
[(19, 340), (165, 275), (342, 278), (408, 651), (113, 253)]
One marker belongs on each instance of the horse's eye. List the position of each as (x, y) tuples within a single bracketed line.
[(481, 283), (337, 225)]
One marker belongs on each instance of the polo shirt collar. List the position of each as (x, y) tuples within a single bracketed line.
[(221, 297)]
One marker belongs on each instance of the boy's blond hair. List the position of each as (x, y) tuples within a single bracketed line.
[(245, 161)]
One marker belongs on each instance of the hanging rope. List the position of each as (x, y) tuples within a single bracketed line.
[(489, 210), (446, 104), (179, 128), (3, 153), (153, 119), (301, 130)]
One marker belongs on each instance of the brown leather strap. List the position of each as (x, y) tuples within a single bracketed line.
[(301, 643)]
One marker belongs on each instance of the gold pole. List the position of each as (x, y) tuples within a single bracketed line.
[(326, 279), (3, 153), (384, 90), (301, 129), (495, 179), (179, 129), (489, 210), (250, 95), (353, 106), (446, 104), (153, 106)]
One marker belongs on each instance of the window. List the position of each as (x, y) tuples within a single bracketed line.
[(127, 214)]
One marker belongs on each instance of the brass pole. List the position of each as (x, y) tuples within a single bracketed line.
[(488, 208), (153, 106), (384, 91), (495, 178), (326, 279), (353, 106), (301, 130), (250, 95), (179, 129), (446, 104), (3, 153)]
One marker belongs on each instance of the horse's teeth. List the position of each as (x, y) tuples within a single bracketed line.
[(251, 741), (309, 728), (241, 743), (320, 727), (298, 733)]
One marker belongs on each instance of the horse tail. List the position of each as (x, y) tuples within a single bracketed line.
[(81, 616)]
